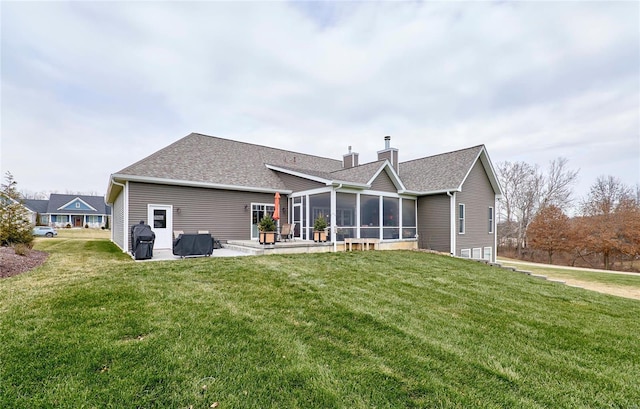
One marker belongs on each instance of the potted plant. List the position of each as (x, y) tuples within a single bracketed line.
[(267, 227), (320, 229)]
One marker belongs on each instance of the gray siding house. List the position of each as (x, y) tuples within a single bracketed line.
[(444, 202), (62, 210)]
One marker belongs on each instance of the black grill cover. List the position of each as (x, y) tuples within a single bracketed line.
[(193, 245), (142, 240)]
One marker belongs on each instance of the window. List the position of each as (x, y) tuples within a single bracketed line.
[(345, 215), (390, 218), (491, 220), (487, 253), (159, 219), (477, 253), (369, 217), (465, 253), (77, 205), (408, 218), (461, 218)]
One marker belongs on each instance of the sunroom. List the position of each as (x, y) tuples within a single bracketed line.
[(355, 214)]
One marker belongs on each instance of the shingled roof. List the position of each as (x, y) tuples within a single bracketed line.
[(36, 205), (202, 160), (439, 173), (56, 201), (217, 161)]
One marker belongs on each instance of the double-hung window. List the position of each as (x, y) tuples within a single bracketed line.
[(461, 218)]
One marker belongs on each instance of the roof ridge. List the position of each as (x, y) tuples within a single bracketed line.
[(443, 153)]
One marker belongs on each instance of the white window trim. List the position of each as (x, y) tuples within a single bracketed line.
[(476, 253), (487, 255), (492, 218), (465, 251)]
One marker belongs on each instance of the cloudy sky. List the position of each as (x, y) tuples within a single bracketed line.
[(89, 88)]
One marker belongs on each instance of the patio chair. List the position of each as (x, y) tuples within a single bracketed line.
[(286, 233)]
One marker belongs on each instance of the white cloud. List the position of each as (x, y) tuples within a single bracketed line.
[(109, 83)]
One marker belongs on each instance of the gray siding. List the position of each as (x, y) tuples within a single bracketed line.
[(434, 231), (117, 222), (477, 196), (298, 184), (383, 183), (222, 212)]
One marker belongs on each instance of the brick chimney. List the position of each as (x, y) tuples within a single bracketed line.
[(389, 153), (349, 160)]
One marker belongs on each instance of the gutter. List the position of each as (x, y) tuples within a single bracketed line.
[(452, 223)]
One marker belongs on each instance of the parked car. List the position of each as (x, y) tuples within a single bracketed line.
[(44, 231)]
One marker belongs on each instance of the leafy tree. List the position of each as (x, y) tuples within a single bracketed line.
[(549, 231), (15, 224), (611, 220)]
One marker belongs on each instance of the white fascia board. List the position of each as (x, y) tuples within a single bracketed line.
[(190, 183), (431, 192), (342, 183), (394, 175), (71, 201), (299, 174), (488, 169)]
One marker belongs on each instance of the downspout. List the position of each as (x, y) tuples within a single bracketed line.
[(125, 215), (452, 223), (333, 218)]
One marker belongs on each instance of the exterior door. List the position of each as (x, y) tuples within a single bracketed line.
[(297, 216), (160, 218), (258, 211)]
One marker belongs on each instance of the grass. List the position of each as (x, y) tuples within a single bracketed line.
[(92, 328), (621, 280)]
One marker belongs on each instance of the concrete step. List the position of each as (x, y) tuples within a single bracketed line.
[(244, 249)]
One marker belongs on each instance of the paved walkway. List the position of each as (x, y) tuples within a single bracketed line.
[(593, 270), (164, 255)]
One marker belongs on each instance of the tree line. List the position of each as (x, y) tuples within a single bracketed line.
[(534, 221)]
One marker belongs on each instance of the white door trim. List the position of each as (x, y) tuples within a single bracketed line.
[(164, 236)]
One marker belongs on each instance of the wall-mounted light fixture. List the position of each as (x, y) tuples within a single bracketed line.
[(178, 210), (246, 207)]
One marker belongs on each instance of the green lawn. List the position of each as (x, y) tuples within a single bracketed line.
[(372, 329)]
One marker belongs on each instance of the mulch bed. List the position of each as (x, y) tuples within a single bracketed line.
[(12, 264)]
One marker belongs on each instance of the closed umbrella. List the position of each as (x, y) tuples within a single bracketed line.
[(276, 214)]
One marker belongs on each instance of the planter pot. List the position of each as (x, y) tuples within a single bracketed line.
[(320, 236), (267, 237)]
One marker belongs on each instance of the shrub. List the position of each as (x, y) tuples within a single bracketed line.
[(86, 226), (68, 226), (21, 249), (15, 223), (320, 223), (267, 224)]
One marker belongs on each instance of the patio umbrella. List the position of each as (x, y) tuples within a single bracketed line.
[(276, 215)]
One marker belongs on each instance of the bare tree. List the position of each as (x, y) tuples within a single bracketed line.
[(525, 190), (558, 184)]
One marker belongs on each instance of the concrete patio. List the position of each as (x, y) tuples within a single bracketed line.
[(239, 248)]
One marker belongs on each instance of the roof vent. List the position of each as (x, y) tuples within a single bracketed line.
[(387, 142)]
